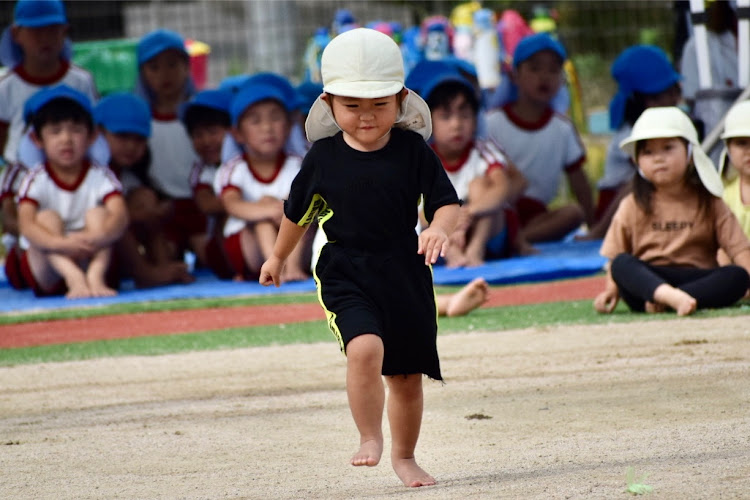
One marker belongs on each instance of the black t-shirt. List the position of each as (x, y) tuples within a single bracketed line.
[(369, 200)]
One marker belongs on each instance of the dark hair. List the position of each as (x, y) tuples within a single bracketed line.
[(445, 93), (204, 116), (643, 190), (60, 110)]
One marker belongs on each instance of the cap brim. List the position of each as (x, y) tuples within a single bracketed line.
[(416, 117), (364, 89)]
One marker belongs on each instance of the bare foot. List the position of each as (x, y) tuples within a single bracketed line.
[(455, 258), (411, 474), (369, 453), (102, 290), (675, 298), (78, 291), (293, 274), (471, 296)]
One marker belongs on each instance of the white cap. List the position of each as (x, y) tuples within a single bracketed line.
[(736, 124), (364, 63), (661, 122)]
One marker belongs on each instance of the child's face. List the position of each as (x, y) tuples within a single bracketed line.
[(453, 127), (41, 45), (125, 150), (207, 141), (65, 143), (663, 161), (738, 149), (539, 77), (166, 73), (264, 128), (366, 123)]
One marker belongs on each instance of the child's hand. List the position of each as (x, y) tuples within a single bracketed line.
[(77, 245), (273, 208), (270, 272), (433, 243), (606, 301)]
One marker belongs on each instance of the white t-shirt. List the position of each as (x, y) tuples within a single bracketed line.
[(480, 158), (42, 187), (618, 167), (16, 87), (172, 157), (238, 174), (542, 151)]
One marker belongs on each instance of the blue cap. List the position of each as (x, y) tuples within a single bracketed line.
[(278, 81), (307, 93), (538, 42), (253, 93), (124, 113), (437, 79), (38, 13), (640, 68), (212, 98), (426, 69), (48, 94), (158, 41), (233, 83)]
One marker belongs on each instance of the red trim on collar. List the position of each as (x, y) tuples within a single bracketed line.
[(526, 125), (34, 80), (163, 117), (68, 187), (280, 159), (455, 166)]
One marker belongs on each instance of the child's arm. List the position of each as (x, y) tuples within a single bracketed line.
[(288, 238), (43, 239), (579, 184), (252, 211), (742, 259), (207, 201), (115, 221), (433, 241), (607, 300)]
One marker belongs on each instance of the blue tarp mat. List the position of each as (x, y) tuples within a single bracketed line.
[(554, 261)]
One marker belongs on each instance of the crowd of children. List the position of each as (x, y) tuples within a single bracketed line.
[(207, 172)]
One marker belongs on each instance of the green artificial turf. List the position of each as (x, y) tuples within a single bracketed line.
[(484, 319)]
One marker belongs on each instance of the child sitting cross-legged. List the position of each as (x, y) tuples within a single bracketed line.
[(143, 252), (479, 171), (253, 184), (206, 118), (70, 211)]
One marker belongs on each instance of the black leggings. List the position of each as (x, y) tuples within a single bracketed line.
[(711, 288)]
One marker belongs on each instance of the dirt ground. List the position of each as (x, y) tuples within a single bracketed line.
[(556, 412)]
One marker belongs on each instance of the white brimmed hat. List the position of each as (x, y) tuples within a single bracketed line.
[(368, 64), (656, 123), (736, 124)]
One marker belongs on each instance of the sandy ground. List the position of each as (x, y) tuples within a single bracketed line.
[(539, 413)]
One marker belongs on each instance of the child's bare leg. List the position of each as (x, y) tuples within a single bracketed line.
[(48, 268), (553, 225), (405, 406), (251, 251), (366, 393), (295, 268), (675, 298), (471, 296), (97, 269)]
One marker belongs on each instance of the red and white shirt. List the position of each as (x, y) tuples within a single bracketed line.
[(238, 174), (479, 158)]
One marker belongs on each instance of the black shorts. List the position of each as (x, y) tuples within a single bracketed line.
[(389, 294)]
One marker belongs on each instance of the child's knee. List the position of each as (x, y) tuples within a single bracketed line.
[(366, 348), (51, 221)]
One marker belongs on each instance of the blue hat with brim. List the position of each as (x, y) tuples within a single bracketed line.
[(39, 13), (124, 113), (254, 93), (533, 44), (49, 94), (216, 99), (307, 93), (234, 83), (156, 42), (449, 76), (291, 97), (640, 68)]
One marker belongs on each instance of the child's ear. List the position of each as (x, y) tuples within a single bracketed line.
[(35, 138), (236, 135)]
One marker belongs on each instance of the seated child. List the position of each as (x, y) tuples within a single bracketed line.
[(542, 143), (70, 211), (663, 240), (164, 82), (38, 56), (478, 170), (143, 252), (645, 79), (735, 162), (206, 118), (252, 185), (10, 181)]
